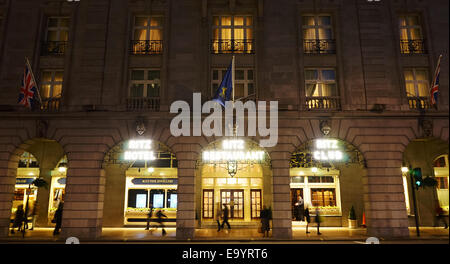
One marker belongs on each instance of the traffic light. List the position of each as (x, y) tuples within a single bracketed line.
[(417, 176)]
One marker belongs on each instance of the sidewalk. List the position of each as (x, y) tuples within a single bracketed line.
[(209, 235)]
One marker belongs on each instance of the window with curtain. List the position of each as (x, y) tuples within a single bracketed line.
[(323, 197), (144, 83), (51, 89), (56, 36), (411, 37), (244, 82), (318, 34), (320, 83), (417, 87), (232, 34), (147, 35)]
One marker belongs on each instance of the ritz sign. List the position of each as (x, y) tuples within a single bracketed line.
[(139, 150), (232, 150), (327, 150)]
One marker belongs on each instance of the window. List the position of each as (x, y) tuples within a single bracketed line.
[(323, 197), (321, 89), (411, 38), (244, 82), (255, 205), (320, 179), (208, 203), (232, 34), (51, 88), (145, 83), (318, 34), (27, 160), (137, 198), (147, 35), (417, 87), (440, 162), (442, 183), (56, 36)]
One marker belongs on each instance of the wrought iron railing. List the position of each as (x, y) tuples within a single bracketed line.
[(146, 47), (416, 46), (50, 104), (320, 46), (323, 103), (143, 103), (53, 48), (224, 46), (419, 103)]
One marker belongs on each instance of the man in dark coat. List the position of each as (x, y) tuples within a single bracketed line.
[(58, 218), (18, 219), (225, 216)]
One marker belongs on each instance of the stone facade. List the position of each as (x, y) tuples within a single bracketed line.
[(92, 118)]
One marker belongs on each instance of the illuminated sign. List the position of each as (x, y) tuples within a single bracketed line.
[(153, 181), (232, 150), (24, 180), (327, 149), (139, 150)]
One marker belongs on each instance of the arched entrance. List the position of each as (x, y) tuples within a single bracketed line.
[(327, 174), (235, 173), (138, 178)]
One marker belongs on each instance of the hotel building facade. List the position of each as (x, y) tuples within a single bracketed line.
[(351, 79)]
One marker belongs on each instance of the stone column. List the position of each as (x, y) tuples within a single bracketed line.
[(85, 188), (186, 196), (43, 197), (384, 197), (281, 212), (7, 182)]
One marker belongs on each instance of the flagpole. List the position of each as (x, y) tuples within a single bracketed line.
[(34, 80), (232, 76)]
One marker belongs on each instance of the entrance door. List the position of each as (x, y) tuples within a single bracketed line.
[(235, 202), (295, 193)]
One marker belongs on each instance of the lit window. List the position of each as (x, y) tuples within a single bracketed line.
[(321, 89), (417, 86), (208, 203), (244, 82), (323, 197), (232, 34), (411, 38), (147, 35), (56, 36), (51, 88), (145, 83), (318, 34)]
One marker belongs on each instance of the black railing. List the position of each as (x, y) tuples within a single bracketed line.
[(50, 104), (146, 47), (224, 46), (143, 103), (319, 46), (419, 103), (323, 103), (416, 46), (53, 48)]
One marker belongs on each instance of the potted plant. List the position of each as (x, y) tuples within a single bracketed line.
[(352, 222)]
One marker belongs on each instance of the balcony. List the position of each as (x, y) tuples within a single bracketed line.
[(55, 48), (143, 104), (146, 47), (416, 46), (419, 103), (233, 46), (50, 104), (321, 46), (323, 103)]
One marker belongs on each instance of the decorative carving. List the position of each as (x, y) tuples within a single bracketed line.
[(325, 127), (41, 128), (426, 128), (140, 126)]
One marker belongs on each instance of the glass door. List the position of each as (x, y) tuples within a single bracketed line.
[(234, 199), (296, 193)]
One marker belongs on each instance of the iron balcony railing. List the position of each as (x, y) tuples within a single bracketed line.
[(53, 48), (419, 103), (226, 46), (323, 103), (416, 46), (143, 104), (319, 46), (146, 47), (50, 104)]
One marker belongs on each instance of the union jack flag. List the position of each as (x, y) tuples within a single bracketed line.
[(29, 94), (434, 91)]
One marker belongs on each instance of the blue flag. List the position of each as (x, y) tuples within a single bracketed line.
[(225, 90)]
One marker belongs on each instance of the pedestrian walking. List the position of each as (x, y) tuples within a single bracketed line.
[(159, 219), (57, 218), (318, 220), (225, 217), (34, 213), (440, 216), (18, 219), (265, 221), (307, 218), (149, 217), (218, 216), (300, 205)]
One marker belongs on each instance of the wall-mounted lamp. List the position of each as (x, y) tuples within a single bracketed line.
[(62, 167)]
